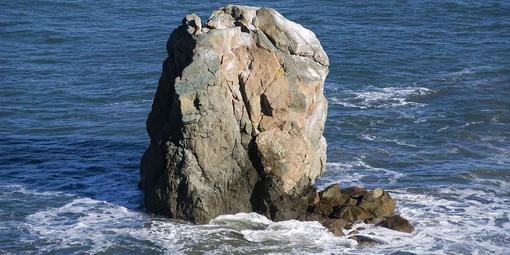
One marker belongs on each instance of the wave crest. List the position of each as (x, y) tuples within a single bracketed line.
[(387, 97)]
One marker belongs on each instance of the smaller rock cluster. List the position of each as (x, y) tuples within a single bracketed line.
[(339, 209)]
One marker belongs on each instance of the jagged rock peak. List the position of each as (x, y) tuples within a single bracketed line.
[(285, 35)]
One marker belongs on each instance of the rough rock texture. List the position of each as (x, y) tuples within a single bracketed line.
[(397, 223), (335, 226), (354, 205), (237, 120)]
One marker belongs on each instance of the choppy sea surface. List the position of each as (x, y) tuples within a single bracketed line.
[(419, 104)]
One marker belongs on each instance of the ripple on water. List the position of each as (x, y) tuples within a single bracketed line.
[(388, 97)]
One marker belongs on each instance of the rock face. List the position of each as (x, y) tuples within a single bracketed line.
[(237, 120)]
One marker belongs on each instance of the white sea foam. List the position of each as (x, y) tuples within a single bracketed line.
[(447, 220), (259, 229), (242, 221), (99, 225), (388, 97), (344, 171), (83, 221), (456, 220), (368, 137)]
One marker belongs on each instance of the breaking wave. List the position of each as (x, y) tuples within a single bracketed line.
[(373, 97), (437, 214)]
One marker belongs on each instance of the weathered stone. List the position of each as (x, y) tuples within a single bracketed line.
[(335, 226), (332, 192), (365, 240), (376, 193), (193, 23), (397, 223), (330, 198), (352, 214), (354, 192), (315, 199), (237, 120), (281, 206), (379, 205), (311, 216), (374, 220)]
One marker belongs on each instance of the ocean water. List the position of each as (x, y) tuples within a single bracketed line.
[(419, 104)]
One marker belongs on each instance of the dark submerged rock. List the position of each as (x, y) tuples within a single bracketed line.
[(397, 223), (335, 226)]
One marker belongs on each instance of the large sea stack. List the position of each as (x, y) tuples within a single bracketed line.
[(237, 120)]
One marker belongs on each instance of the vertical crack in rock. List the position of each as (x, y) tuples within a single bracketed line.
[(237, 120)]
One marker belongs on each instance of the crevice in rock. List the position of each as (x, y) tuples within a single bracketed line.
[(257, 198), (242, 89), (196, 103)]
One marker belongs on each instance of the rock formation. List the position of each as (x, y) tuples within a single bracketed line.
[(237, 124), (237, 121), (339, 209)]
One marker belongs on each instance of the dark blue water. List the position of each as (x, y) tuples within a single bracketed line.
[(419, 103)]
